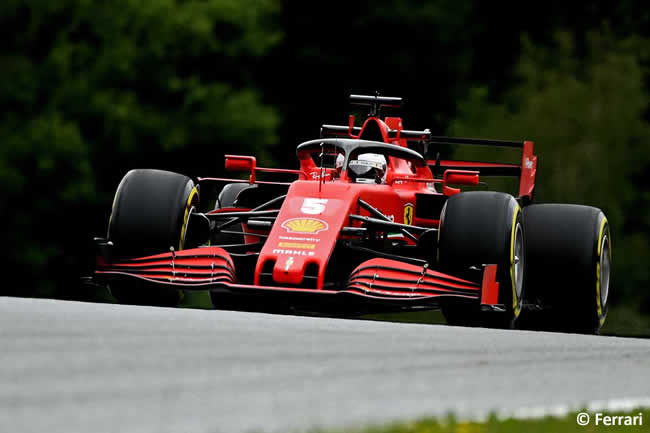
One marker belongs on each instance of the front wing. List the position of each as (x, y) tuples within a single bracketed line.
[(377, 280)]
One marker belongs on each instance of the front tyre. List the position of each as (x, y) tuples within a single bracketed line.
[(569, 255), (150, 215), (479, 228)]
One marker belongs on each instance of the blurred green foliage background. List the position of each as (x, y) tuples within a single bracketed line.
[(90, 89)]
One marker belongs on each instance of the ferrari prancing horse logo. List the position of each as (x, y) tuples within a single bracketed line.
[(408, 213)]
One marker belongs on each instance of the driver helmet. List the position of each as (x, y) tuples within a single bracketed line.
[(368, 168), (339, 163)]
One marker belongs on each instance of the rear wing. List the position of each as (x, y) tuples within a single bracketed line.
[(427, 145), (525, 171)]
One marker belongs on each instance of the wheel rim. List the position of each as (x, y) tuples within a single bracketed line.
[(605, 265), (518, 260)]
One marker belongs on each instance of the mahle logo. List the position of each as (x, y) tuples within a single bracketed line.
[(305, 225), (293, 252)]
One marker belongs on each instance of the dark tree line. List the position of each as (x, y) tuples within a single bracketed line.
[(91, 89)]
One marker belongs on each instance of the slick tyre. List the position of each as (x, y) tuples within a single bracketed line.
[(228, 195), (568, 253), (227, 198), (150, 215), (477, 228)]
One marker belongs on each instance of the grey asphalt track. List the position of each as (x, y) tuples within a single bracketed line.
[(79, 367)]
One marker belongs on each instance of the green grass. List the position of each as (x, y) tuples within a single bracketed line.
[(196, 299), (622, 320), (627, 321), (548, 424)]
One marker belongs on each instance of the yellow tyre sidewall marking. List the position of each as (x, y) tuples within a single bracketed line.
[(516, 306), (188, 206), (181, 244), (601, 233)]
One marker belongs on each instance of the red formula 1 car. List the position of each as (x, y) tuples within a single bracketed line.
[(369, 225)]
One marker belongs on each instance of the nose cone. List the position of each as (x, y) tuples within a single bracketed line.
[(304, 234), (290, 267)]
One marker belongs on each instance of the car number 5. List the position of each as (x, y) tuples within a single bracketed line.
[(313, 206)]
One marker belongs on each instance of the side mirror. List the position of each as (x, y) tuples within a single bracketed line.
[(458, 177), (242, 163)]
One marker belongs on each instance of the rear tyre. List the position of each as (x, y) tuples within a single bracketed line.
[(477, 228), (229, 193), (568, 250), (149, 216), (227, 198)]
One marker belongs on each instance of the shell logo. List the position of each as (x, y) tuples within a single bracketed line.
[(305, 225)]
